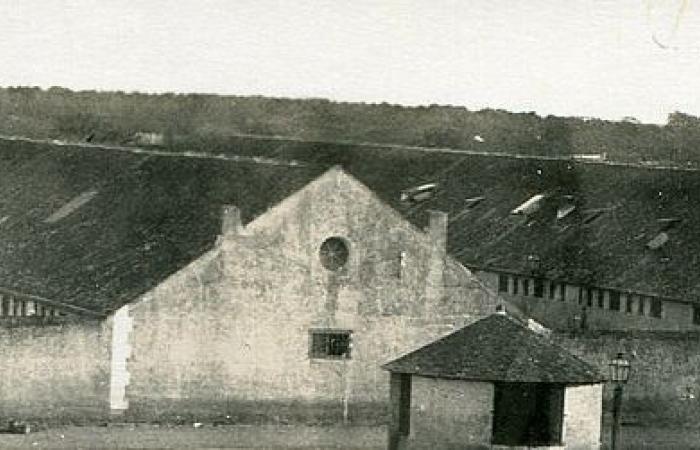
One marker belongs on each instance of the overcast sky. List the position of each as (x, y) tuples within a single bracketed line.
[(606, 59)]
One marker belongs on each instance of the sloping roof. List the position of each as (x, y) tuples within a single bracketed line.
[(619, 208), (96, 227), (498, 349)]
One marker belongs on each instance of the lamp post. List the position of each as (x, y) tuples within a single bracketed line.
[(619, 374)]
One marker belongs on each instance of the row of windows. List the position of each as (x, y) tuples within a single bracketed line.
[(589, 297), (527, 287), (16, 307)]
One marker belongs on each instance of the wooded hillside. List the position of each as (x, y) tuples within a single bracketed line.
[(197, 119)]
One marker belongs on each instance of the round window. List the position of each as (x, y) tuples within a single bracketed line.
[(334, 253)]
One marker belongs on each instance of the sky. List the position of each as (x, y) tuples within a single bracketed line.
[(606, 59)]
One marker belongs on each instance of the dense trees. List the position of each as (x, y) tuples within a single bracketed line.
[(115, 117)]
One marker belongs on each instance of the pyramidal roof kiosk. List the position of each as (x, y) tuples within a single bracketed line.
[(494, 384)]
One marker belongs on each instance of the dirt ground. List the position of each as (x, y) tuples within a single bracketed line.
[(279, 436), (207, 436)]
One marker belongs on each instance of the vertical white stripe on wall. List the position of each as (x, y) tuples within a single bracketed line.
[(121, 350)]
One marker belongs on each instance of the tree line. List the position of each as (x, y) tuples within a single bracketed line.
[(117, 117)]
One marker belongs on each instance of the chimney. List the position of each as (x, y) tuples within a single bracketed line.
[(230, 220), (437, 229)]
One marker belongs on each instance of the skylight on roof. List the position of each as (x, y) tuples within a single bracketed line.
[(472, 202), (418, 193), (529, 206), (658, 241), (67, 209), (565, 210), (591, 216)]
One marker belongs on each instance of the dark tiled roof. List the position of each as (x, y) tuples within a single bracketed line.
[(153, 213), (142, 217), (499, 349), (603, 242)]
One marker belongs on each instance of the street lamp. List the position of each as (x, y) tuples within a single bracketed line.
[(619, 374)]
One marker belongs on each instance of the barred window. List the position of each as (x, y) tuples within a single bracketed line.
[(330, 344)]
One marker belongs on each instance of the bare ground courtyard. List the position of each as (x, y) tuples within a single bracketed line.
[(277, 436)]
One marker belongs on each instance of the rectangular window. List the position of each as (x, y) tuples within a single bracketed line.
[(601, 298), (539, 288), (515, 285), (656, 308), (526, 287), (580, 296), (641, 302), (630, 300), (562, 292), (552, 289), (330, 344), (528, 414), (589, 297), (614, 300), (696, 314), (502, 282), (399, 265), (19, 307)]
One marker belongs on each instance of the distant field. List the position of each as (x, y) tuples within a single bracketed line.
[(280, 436)]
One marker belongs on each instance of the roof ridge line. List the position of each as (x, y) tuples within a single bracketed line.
[(373, 145), (152, 152), (450, 150)]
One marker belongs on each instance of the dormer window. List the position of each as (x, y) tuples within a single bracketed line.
[(564, 210), (67, 209), (658, 241), (472, 202), (530, 206), (591, 216), (418, 193)]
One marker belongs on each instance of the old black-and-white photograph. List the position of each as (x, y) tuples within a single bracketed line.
[(378, 224)]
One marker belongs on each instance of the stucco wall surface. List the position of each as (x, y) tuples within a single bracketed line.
[(234, 325), (58, 371), (664, 384), (456, 414), (583, 416)]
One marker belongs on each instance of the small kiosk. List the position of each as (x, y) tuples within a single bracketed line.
[(494, 384)]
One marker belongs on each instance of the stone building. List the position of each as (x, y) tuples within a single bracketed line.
[(104, 252), (137, 287), (494, 384), (553, 234), (300, 306)]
